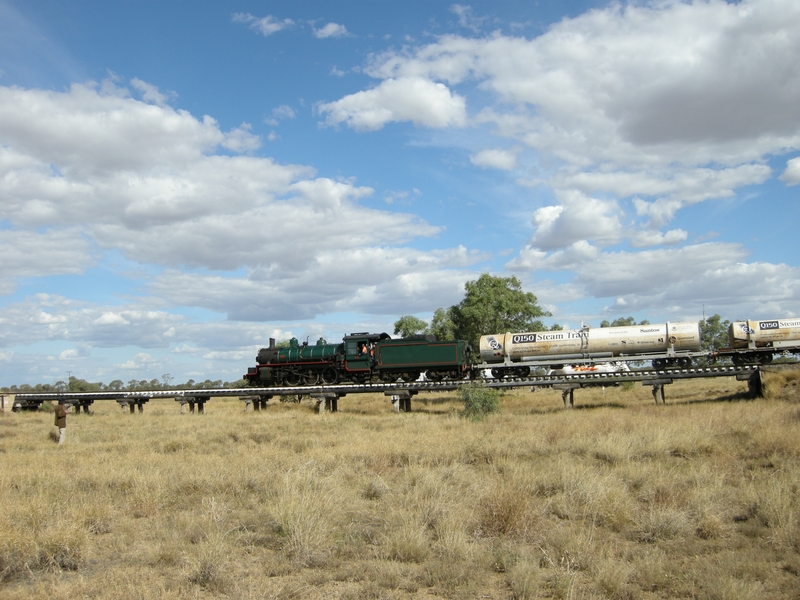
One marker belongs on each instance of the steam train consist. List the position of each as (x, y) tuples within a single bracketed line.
[(364, 357)]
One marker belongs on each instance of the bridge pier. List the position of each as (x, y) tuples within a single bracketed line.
[(326, 401), (131, 405), (401, 399), (8, 403), (658, 393), (255, 403), (201, 405), (658, 388), (191, 401), (755, 385), (567, 393)]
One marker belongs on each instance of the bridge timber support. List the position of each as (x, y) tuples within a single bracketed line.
[(401, 399)]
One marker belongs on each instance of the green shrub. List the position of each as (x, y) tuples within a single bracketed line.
[(479, 401)]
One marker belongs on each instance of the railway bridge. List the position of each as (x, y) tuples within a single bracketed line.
[(400, 393)]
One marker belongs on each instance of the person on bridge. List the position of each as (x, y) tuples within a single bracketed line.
[(61, 420)]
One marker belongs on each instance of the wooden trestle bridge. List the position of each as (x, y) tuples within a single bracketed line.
[(400, 393)]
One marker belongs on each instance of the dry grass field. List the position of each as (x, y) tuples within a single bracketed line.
[(617, 498)]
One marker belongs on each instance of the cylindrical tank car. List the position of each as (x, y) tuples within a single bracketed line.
[(674, 340), (757, 341)]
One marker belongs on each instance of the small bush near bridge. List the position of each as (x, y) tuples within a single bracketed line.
[(479, 401)]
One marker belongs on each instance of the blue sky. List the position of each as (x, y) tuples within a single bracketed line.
[(180, 181)]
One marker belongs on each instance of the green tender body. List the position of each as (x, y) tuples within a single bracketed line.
[(404, 354)]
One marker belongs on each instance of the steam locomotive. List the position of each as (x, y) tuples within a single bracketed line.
[(359, 358), (363, 357)]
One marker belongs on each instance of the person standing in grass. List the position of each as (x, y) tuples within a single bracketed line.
[(61, 421)]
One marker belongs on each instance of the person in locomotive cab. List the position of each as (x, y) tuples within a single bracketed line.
[(362, 349)]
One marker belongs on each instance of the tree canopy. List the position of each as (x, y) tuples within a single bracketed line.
[(496, 305), (490, 305), (409, 325), (714, 333), (624, 322)]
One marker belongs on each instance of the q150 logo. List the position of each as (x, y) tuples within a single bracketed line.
[(766, 325), (494, 344)]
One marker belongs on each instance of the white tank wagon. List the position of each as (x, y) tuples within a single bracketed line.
[(671, 344), (757, 341)]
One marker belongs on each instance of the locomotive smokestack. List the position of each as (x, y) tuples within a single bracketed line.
[(271, 342)]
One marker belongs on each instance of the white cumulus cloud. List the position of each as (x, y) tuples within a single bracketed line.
[(264, 25), (331, 30), (496, 158), (412, 99), (791, 176)]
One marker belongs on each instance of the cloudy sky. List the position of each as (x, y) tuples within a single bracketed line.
[(180, 181)]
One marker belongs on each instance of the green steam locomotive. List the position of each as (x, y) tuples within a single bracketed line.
[(360, 358)]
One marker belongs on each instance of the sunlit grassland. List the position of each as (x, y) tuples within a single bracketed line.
[(617, 498)]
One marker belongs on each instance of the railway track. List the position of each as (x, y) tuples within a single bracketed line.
[(327, 396)]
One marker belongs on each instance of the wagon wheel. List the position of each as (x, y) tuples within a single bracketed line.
[(329, 376), (765, 359), (498, 373), (310, 377), (434, 375), (292, 378), (685, 362), (659, 363), (523, 371)]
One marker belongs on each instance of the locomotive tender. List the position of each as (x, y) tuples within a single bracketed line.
[(364, 357)]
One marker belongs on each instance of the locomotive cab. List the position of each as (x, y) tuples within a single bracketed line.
[(359, 350)]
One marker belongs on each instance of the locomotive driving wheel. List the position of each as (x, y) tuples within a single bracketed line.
[(292, 378), (311, 377), (329, 376)]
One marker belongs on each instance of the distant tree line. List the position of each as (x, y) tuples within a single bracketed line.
[(74, 384)]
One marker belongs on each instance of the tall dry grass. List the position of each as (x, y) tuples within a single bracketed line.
[(618, 498)]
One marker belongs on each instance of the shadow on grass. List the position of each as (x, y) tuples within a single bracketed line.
[(736, 397)]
